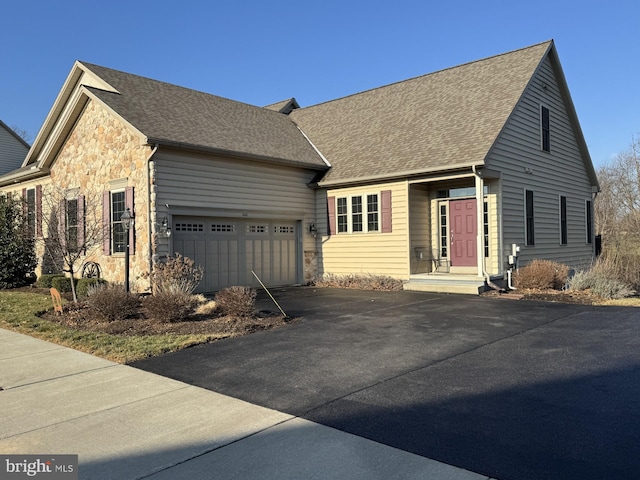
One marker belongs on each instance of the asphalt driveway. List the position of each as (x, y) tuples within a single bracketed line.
[(509, 389)]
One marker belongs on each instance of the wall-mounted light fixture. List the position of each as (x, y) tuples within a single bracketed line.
[(313, 230), (165, 229)]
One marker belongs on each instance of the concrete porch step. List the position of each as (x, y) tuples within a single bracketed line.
[(446, 283)]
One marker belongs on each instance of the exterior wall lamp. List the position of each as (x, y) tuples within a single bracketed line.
[(165, 229), (313, 229)]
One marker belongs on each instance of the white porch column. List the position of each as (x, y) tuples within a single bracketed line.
[(480, 221)]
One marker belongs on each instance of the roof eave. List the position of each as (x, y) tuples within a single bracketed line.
[(398, 176), (232, 153), (22, 175)]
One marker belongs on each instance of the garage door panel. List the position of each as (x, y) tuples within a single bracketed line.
[(229, 249)]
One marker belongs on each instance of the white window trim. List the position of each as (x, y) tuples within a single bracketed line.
[(365, 213), (111, 221)]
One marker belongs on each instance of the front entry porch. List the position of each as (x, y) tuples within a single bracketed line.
[(455, 235)]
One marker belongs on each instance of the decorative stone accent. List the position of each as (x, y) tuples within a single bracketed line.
[(310, 265), (101, 149)]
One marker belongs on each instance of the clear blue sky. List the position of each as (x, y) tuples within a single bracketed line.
[(260, 52)]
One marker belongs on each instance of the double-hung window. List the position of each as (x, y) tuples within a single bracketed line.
[(71, 217), (545, 130), (530, 237), (589, 221), (31, 210), (342, 215), (32, 198), (114, 204), (563, 220), (118, 236)]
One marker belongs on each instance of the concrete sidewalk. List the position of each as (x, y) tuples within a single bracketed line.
[(125, 423)]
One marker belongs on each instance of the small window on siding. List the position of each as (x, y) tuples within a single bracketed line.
[(343, 215), (530, 238), (589, 221), (545, 129), (372, 213), (563, 220), (356, 214)]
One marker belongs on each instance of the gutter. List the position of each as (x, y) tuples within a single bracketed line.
[(22, 175), (480, 226), (396, 175)]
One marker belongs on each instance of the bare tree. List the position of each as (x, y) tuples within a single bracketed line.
[(22, 133), (618, 204), (74, 227)]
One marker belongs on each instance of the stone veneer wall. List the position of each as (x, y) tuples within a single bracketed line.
[(101, 149)]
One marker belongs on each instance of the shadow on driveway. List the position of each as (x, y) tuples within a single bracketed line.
[(509, 389)]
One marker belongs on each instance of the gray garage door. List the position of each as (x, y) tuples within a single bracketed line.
[(229, 249)]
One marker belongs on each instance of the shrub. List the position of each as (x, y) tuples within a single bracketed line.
[(600, 284), (84, 284), (62, 283), (45, 281), (17, 247), (170, 306), (237, 301), (360, 282), (542, 275), (110, 302), (176, 274)]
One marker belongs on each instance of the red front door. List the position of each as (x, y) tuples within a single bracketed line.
[(464, 231)]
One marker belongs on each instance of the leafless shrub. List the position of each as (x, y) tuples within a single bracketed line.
[(359, 282), (110, 302), (620, 260), (600, 282), (176, 274), (542, 275), (171, 306), (237, 301)]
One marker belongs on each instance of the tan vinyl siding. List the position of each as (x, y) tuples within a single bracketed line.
[(371, 252), (224, 187), (420, 228), (518, 155)]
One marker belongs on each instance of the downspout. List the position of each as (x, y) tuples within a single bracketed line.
[(482, 271), (150, 223)]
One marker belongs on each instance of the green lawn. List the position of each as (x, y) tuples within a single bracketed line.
[(19, 312)]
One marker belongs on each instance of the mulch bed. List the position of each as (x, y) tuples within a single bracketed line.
[(140, 324), (558, 296), (80, 317)]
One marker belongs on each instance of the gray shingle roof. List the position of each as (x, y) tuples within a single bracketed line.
[(169, 114), (438, 121)]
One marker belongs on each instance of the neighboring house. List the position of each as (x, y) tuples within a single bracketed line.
[(13, 149), (430, 180)]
